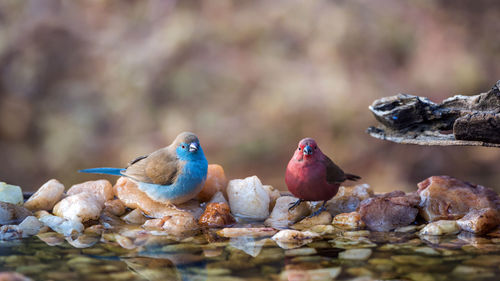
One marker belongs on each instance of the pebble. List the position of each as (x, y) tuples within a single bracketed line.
[(348, 198), (281, 217), (442, 227), (323, 218), (11, 194), (350, 221), (248, 199), (480, 221), (79, 207), (447, 198), (216, 182), (46, 196), (102, 190), (289, 239), (114, 207), (216, 215), (60, 225), (12, 214)]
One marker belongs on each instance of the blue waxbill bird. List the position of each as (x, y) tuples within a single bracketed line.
[(173, 174)]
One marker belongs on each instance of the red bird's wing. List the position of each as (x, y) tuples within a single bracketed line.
[(333, 173)]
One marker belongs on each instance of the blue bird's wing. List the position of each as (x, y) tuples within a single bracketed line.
[(160, 167)]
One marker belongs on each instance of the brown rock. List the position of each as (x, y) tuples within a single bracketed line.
[(179, 224), (349, 221), (480, 221), (216, 181), (12, 214), (389, 211), (46, 196), (348, 198), (216, 215), (114, 207), (447, 198), (321, 219), (128, 192)]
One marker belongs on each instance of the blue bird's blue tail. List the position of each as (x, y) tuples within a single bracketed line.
[(107, 171)]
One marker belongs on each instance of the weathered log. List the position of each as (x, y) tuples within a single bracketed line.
[(459, 120)]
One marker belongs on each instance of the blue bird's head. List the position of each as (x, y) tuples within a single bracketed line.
[(187, 147)]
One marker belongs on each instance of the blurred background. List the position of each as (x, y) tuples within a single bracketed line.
[(96, 83)]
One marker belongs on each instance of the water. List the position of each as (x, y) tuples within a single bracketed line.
[(390, 256)]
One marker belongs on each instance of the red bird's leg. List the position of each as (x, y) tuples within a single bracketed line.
[(295, 204), (319, 211)]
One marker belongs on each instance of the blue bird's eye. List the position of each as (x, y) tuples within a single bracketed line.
[(183, 146)]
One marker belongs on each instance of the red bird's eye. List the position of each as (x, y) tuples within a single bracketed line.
[(299, 148)]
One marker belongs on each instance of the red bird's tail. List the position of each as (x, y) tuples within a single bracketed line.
[(352, 177)]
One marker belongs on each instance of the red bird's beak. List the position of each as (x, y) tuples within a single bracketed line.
[(308, 150)]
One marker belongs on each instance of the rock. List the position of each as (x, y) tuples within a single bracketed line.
[(114, 207), (355, 254), (46, 196), (407, 229), (128, 192), (289, 239), (216, 181), (348, 198), (177, 224), (320, 219), (480, 221), (192, 206), (79, 207), (273, 193), (60, 225), (101, 189), (13, 276), (281, 217), (134, 217), (30, 226), (218, 198), (248, 231), (12, 214), (10, 232), (442, 227), (216, 215), (349, 221), (11, 194), (389, 211), (447, 198), (248, 199)]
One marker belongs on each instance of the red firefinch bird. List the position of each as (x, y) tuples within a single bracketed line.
[(312, 176)]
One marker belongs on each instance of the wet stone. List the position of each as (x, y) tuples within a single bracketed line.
[(441, 198), (46, 196), (389, 211)]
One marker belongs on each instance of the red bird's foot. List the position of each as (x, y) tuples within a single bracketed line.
[(295, 204), (319, 211)]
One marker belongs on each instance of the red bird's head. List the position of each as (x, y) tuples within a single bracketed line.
[(307, 149)]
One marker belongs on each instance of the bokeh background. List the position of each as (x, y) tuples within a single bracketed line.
[(97, 83)]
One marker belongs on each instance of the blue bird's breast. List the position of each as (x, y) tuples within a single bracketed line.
[(188, 184)]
